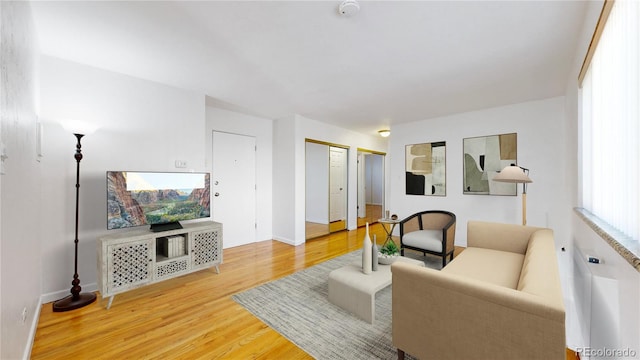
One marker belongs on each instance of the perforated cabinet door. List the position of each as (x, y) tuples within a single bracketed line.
[(206, 248), (129, 265)]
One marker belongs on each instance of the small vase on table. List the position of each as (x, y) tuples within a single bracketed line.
[(366, 253), (374, 255)]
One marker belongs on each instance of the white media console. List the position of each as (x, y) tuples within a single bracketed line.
[(128, 260)]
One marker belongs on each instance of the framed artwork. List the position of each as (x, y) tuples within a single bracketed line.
[(484, 157), (425, 169)]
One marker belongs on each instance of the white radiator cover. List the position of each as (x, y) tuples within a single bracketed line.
[(598, 304), (606, 297)]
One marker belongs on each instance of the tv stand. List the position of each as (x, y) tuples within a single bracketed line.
[(131, 259), (165, 226)]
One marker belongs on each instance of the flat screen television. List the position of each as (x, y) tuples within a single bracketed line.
[(158, 199)]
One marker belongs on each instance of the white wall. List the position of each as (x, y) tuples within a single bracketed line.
[(142, 126), (617, 312), (576, 325), (219, 119), (289, 171), (540, 129), (20, 186), (284, 182)]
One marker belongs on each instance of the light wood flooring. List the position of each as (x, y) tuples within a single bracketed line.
[(373, 213), (314, 230), (193, 316)]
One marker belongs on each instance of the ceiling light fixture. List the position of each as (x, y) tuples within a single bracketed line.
[(348, 8), (384, 133)]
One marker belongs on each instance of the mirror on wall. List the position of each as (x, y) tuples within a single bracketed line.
[(325, 188), (371, 197)]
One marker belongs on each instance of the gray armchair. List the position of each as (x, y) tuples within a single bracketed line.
[(430, 232)]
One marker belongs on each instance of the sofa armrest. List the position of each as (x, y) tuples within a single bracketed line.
[(432, 310), (496, 236)]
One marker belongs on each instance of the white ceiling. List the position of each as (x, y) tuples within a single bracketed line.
[(393, 62)]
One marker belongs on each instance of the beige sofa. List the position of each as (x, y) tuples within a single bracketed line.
[(498, 299)]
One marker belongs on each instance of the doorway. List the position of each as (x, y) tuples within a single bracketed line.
[(233, 186), (371, 187), (325, 188)]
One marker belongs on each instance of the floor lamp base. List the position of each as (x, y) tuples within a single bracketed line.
[(68, 303)]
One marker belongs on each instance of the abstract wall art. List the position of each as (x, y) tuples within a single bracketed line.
[(425, 169), (484, 157)]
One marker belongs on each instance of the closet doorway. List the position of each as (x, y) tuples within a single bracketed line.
[(325, 188), (371, 189)]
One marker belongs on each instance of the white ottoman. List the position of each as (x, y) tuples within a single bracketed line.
[(355, 292)]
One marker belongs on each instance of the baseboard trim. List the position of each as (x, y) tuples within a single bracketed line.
[(32, 331), (57, 295), (287, 241)]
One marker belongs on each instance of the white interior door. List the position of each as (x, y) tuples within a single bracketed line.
[(234, 187), (337, 184)]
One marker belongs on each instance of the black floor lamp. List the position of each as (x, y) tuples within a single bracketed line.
[(76, 299)]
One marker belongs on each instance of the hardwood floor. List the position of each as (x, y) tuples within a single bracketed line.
[(314, 230), (192, 316), (373, 213)]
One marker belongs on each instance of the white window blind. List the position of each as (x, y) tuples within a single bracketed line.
[(610, 122)]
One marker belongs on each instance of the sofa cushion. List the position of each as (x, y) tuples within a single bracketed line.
[(493, 266), (424, 239), (539, 275)]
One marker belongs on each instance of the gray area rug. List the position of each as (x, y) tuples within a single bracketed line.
[(297, 306)]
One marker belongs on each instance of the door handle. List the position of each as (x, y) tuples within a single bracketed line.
[(216, 194)]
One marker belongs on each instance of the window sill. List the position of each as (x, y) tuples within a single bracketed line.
[(628, 248)]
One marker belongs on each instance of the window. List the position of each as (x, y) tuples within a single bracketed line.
[(611, 119)]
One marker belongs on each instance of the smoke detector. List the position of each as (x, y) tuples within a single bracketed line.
[(348, 8)]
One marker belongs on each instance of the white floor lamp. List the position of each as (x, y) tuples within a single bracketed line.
[(517, 175)]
